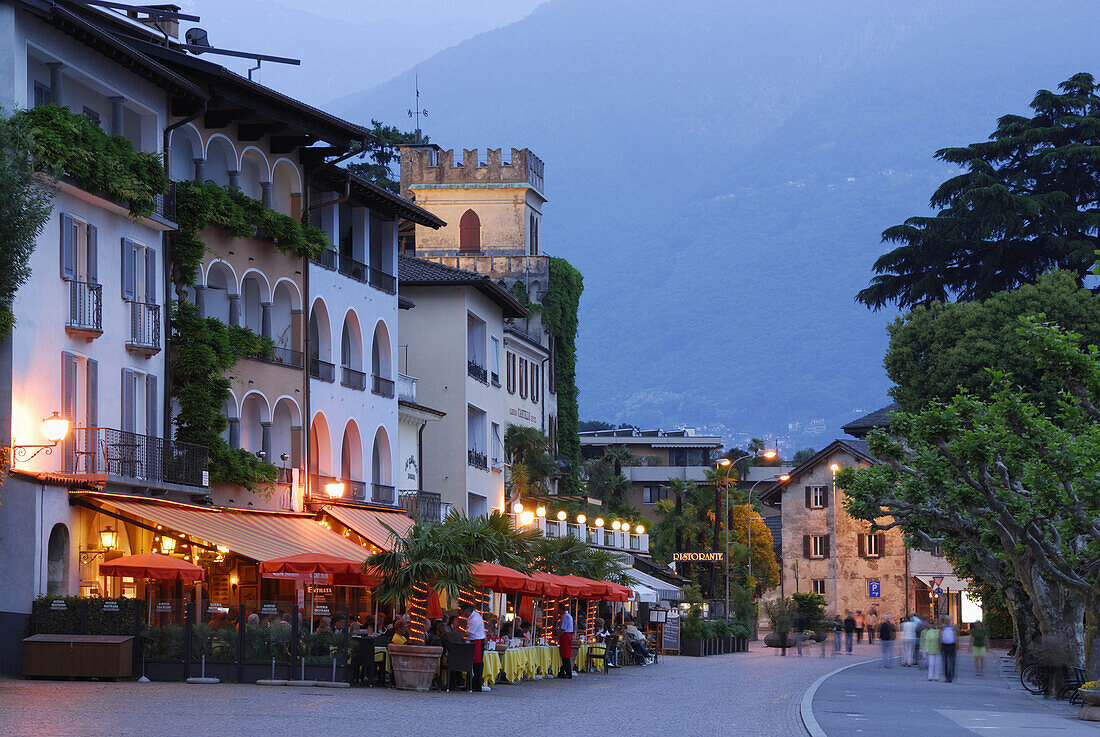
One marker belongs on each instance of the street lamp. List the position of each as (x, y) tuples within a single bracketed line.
[(55, 428)]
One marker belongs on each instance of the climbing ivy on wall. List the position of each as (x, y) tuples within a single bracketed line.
[(206, 348), (200, 206), (559, 317)]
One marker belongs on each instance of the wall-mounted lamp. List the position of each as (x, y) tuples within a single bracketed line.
[(55, 428), (334, 490)]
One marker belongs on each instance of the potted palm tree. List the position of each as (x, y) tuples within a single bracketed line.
[(433, 559)]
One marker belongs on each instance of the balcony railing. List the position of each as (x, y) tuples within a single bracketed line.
[(477, 459), (283, 357), (104, 450), (406, 388), (477, 371), (427, 505), (327, 259), (357, 490), (382, 387), (166, 203), (322, 370), (144, 327), (381, 280), (353, 379), (382, 494), (85, 308), (357, 270)]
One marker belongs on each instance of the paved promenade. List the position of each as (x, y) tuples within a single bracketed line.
[(756, 694), (870, 701)]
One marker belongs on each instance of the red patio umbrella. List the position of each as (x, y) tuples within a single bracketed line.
[(504, 580), (548, 584), (153, 565), (617, 592), (592, 589)]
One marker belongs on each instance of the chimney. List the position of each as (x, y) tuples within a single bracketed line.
[(167, 25)]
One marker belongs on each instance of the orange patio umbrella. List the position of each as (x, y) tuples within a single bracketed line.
[(617, 592), (153, 565), (548, 585), (504, 580)]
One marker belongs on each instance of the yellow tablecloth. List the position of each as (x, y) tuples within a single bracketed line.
[(582, 654), (518, 663), (491, 660)]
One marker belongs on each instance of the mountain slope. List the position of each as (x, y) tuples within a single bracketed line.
[(721, 173)]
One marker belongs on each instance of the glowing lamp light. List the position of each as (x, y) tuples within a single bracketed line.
[(640, 530), (541, 511), (108, 538), (616, 525), (55, 428), (581, 519), (835, 467), (167, 544), (784, 477), (723, 462), (527, 517), (517, 508), (599, 522), (770, 453), (334, 490), (222, 549), (562, 515)]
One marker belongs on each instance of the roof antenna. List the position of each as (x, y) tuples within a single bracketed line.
[(418, 111)]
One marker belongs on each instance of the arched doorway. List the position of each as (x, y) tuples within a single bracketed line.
[(57, 561)]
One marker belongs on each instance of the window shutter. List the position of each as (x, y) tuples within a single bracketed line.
[(881, 544), (151, 406), (862, 545), (806, 546), (68, 404), (809, 497), (127, 269), (93, 393), (92, 237), (825, 547), (68, 256), (825, 497), (150, 276), (127, 400)]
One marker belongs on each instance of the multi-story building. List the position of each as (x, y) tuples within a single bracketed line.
[(451, 340), (657, 456), (493, 207), (827, 551)]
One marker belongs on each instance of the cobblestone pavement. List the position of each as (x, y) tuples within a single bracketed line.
[(756, 693), (869, 701)]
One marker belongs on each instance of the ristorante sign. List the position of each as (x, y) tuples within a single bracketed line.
[(699, 557)]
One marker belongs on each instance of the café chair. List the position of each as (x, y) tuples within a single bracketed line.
[(593, 656), (460, 659)]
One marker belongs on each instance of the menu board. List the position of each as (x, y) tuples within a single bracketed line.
[(219, 588), (670, 632)]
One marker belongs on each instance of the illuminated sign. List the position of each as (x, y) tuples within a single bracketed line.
[(698, 557)]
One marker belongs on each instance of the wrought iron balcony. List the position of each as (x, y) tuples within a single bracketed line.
[(144, 328), (98, 451), (477, 371), (283, 357), (327, 259), (382, 387), (353, 379), (383, 494), (381, 280), (357, 490), (427, 505), (85, 309), (357, 270), (322, 370), (477, 459)]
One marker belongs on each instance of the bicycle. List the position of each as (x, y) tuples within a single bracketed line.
[(1035, 677)]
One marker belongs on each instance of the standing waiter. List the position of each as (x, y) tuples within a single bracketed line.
[(475, 633), (565, 642)]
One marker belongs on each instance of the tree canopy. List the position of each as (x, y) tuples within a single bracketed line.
[(1008, 487), (375, 164), (1027, 202), (936, 350)]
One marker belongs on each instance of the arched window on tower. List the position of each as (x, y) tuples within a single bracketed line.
[(469, 232)]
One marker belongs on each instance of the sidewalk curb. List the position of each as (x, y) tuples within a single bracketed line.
[(806, 709)]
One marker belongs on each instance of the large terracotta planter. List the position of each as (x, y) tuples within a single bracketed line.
[(1090, 706), (414, 666)]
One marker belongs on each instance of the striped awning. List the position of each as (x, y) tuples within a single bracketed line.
[(664, 590), (255, 535), (369, 523)]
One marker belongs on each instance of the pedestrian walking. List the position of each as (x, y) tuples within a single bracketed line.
[(908, 641), (838, 630), (978, 639), (799, 631), (948, 649), (886, 635), (849, 631), (859, 627), (872, 623), (930, 646), (922, 625)]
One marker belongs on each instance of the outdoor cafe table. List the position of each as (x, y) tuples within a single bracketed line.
[(584, 649), (521, 662)]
